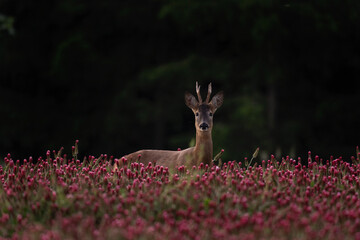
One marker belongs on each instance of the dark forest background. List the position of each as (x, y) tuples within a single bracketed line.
[(113, 75)]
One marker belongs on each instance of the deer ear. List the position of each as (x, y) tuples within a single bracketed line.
[(190, 101), (217, 100)]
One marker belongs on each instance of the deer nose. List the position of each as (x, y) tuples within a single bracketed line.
[(204, 126)]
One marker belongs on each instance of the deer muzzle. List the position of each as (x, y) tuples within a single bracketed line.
[(204, 126)]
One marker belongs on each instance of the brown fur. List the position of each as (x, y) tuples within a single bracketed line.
[(203, 150)]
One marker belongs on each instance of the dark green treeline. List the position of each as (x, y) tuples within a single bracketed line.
[(113, 74)]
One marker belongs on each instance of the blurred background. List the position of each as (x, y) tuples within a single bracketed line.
[(113, 75)]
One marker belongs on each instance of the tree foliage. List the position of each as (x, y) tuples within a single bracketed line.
[(113, 74)]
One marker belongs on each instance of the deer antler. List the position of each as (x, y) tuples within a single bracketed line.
[(198, 92), (209, 93)]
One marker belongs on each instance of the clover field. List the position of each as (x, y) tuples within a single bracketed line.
[(60, 197)]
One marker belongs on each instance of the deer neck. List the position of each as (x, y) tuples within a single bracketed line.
[(203, 151)]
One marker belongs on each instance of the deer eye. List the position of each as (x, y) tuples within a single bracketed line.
[(197, 114), (210, 114)]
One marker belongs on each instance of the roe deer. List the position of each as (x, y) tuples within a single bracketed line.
[(203, 150)]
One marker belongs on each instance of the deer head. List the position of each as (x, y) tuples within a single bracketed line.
[(204, 111)]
